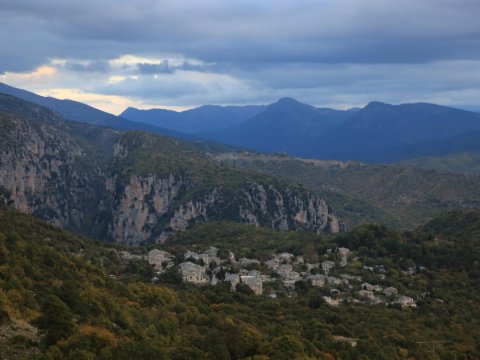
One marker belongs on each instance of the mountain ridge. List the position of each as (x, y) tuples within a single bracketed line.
[(203, 119), (80, 112), (377, 133)]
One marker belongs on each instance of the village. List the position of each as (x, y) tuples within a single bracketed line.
[(283, 270)]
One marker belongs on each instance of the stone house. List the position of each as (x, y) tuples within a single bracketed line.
[(366, 294), (285, 257), (161, 260), (351, 277), (299, 260), (334, 280), (234, 279), (370, 287), (317, 280), (343, 256), (405, 301), (246, 262), (330, 301), (327, 266), (253, 282), (193, 273), (390, 291)]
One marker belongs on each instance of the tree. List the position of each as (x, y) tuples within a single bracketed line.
[(171, 276), (57, 320)]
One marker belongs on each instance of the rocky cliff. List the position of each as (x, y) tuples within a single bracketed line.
[(148, 188), (151, 209), (149, 203), (45, 172)]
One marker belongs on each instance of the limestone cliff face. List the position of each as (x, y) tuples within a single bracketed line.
[(288, 209), (146, 189), (141, 204), (150, 208), (42, 170)]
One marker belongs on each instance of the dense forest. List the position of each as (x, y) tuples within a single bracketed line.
[(67, 297)]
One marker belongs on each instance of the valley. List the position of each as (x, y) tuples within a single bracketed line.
[(226, 180), (131, 244)]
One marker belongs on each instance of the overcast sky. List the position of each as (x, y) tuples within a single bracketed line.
[(178, 54)]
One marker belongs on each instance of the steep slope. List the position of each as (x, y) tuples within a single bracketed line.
[(76, 111), (207, 118), (45, 171), (383, 132), (403, 197), (282, 127), (135, 187)]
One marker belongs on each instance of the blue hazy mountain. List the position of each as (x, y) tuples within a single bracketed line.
[(376, 133), (204, 119), (80, 112), (382, 132), (283, 127)]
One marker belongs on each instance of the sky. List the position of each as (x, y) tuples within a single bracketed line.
[(112, 54)]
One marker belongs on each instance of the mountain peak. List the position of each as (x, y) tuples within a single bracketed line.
[(376, 104), (287, 100)]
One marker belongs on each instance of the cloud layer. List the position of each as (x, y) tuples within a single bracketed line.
[(185, 53)]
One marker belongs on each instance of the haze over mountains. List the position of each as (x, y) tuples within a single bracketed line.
[(376, 133), (206, 118)]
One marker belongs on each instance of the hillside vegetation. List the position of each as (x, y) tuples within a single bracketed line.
[(60, 300), (398, 196), (464, 163)]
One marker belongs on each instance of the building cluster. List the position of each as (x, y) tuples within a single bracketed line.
[(340, 287)]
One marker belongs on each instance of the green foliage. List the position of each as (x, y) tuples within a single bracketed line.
[(171, 276), (61, 282), (57, 320), (247, 241)]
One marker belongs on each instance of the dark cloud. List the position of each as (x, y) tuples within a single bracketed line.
[(167, 67), (89, 66), (268, 47), (370, 31), (162, 68)]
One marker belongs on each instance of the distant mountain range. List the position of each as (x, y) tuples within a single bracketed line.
[(80, 112), (385, 133), (207, 118), (376, 133), (284, 126)]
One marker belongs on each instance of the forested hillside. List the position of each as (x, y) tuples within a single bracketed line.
[(67, 297), (399, 196)]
